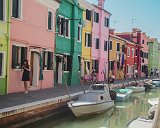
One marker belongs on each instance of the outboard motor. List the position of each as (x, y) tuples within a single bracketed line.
[(113, 94)]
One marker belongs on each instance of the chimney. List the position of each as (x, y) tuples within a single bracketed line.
[(101, 3), (111, 31)]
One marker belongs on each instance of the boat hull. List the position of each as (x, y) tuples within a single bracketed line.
[(85, 109), (136, 89), (140, 122)]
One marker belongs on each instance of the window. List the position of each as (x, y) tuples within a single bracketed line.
[(105, 45), (16, 8), (96, 17), (87, 40), (110, 45), (2, 10), (136, 52), (79, 60), (142, 41), (79, 33), (127, 68), (106, 22), (118, 47), (67, 63), (143, 68), (132, 53), (64, 27), (50, 20), (2, 69), (111, 65), (118, 65), (128, 51), (47, 60), (19, 54), (123, 48), (97, 43), (95, 65), (87, 67), (88, 15)]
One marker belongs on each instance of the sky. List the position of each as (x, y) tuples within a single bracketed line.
[(128, 14)]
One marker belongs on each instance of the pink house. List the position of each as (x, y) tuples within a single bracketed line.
[(100, 37), (33, 38)]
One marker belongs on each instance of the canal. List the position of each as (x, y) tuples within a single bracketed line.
[(116, 117)]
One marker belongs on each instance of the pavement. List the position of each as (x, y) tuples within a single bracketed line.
[(20, 98)]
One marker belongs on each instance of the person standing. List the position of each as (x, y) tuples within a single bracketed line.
[(26, 75)]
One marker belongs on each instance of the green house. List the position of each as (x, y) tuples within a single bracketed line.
[(68, 43), (153, 55), (4, 44)]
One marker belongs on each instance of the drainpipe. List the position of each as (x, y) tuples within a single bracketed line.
[(8, 49)]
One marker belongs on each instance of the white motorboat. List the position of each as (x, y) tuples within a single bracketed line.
[(95, 101), (136, 88), (123, 94), (140, 122), (143, 122), (153, 101)]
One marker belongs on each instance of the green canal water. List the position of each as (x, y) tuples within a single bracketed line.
[(116, 117)]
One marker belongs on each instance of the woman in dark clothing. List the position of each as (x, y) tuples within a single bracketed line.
[(26, 75)]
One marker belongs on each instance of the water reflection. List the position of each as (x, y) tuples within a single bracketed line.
[(116, 117)]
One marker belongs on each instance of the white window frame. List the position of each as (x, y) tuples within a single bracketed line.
[(64, 35), (3, 65), (20, 10), (85, 68), (128, 51), (86, 41), (19, 56), (46, 59), (4, 11), (79, 32), (52, 21), (133, 52)]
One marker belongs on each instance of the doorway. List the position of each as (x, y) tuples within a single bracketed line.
[(34, 68), (59, 71)]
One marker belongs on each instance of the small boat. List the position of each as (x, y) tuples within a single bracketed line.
[(95, 101), (136, 88), (144, 122), (153, 101), (140, 122), (123, 94), (155, 83)]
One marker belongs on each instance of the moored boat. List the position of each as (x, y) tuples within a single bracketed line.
[(123, 94), (136, 88), (95, 101)]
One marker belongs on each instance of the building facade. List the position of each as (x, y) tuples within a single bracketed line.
[(32, 38), (117, 55), (68, 43), (153, 57), (100, 39), (4, 44)]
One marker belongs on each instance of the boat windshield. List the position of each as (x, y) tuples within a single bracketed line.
[(156, 81), (97, 87)]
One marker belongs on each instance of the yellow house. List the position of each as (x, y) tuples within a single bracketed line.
[(86, 61), (117, 56)]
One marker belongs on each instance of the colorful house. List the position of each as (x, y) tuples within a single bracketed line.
[(4, 44), (141, 57), (32, 38), (68, 43), (100, 38), (86, 61), (130, 63), (153, 56), (117, 55)]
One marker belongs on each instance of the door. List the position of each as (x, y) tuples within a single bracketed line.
[(34, 69), (60, 71)]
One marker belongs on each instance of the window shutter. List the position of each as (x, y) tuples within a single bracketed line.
[(69, 63), (85, 39), (15, 6), (1, 10), (89, 40), (14, 56), (1, 63), (23, 54)]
